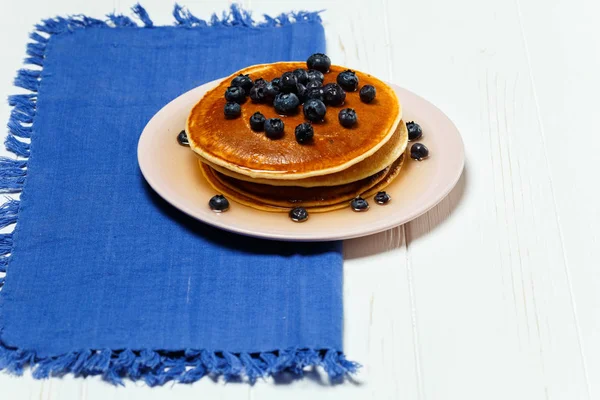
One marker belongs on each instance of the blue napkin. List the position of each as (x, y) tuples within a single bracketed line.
[(103, 276)]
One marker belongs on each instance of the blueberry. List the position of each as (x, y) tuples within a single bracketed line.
[(347, 80), (257, 122), (419, 151), (182, 139), (313, 84), (270, 92), (288, 82), (301, 92), (264, 92), (218, 203), (333, 94), (274, 128), (276, 82), (347, 117), (319, 61), (314, 110), (298, 214), (359, 204), (367, 93), (258, 93), (414, 130), (243, 81), (301, 75), (286, 103), (232, 110), (314, 75), (237, 94), (382, 198), (314, 93), (260, 82), (304, 132)]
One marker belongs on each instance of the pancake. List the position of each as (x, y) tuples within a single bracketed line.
[(231, 144), (389, 177), (246, 201), (383, 157), (273, 201), (285, 196)]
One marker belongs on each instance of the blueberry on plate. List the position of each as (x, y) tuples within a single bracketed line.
[(333, 94), (382, 198), (367, 93), (347, 117), (298, 214), (232, 110), (243, 81), (237, 94), (257, 122), (347, 80), (314, 110), (218, 203), (304, 132), (301, 75), (419, 152), (286, 103), (274, 128), (414, 130), (276, 82), (182, 139), (319, 61), (314, 75), (359, 204), (288, 82), (314, 93), (313, 84)]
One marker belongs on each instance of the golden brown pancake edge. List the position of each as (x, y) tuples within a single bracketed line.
[(383, 157), (266, 204)]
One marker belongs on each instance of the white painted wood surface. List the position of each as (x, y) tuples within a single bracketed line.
[(491, 295)]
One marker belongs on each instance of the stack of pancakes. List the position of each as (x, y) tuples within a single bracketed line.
[(338, 165)]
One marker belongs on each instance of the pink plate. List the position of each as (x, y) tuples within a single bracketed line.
[(173, 172)]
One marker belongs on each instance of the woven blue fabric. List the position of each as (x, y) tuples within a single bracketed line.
[(107, 278)]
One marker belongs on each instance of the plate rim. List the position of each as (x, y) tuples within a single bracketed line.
[(297, 237)]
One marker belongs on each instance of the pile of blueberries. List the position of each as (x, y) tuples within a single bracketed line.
[(293, 89)]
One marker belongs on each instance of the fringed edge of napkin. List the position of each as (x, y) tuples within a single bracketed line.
[(154, 367), (158, 367)]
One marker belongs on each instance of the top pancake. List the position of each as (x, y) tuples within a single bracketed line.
[(385, 156), (233, 145)]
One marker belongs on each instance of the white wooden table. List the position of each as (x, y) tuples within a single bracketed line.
[(492, 294)]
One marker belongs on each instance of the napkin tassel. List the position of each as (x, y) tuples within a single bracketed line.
[(17, 146), (336, 365), (15, 361), (143, 15), (12, 175), (121, 21)]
